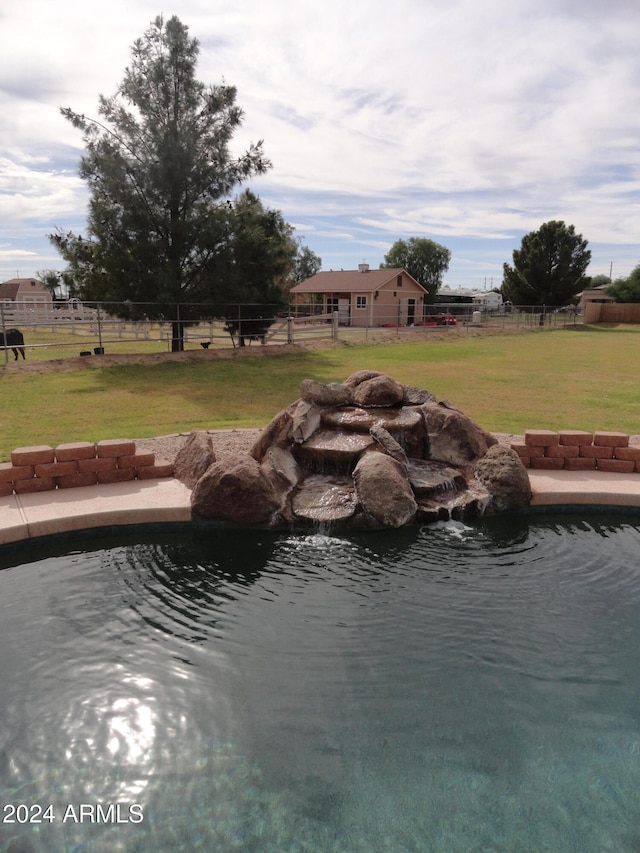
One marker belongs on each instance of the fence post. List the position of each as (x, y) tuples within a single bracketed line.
[(289, 330), (99, 327), (4, 335), (334, 326)]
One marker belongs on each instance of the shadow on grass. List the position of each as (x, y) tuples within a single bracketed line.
[(224, 391), (621, 328)]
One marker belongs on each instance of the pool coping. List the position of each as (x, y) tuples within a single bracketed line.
[(166, 500), (30, 515)]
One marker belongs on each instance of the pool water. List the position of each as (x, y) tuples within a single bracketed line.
[(446, 688)]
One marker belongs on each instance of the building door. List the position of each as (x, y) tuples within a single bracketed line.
[(406, 312), (344, 312)]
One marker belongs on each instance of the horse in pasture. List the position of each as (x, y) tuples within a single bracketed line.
[(13, 339)]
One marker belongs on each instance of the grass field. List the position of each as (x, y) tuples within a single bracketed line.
[(582, 378)]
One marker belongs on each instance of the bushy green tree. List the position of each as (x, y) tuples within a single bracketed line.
[(159, 172), (599, 280), (549, 268), (255, 267), (423, 259), (306, 264), (626, 289)]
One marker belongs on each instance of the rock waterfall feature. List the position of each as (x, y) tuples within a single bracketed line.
[(367, 453)]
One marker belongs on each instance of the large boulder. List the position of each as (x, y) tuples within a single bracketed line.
[(324, 499), (333, 394), (504, 476), (417, 396), (383, 490), (239, 492), (453, 437), (193, 459), (305, 420), (278, 432), (387, 443), (281, 467), (370, 389)]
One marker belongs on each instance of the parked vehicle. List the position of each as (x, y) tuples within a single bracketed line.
[(441, 319)]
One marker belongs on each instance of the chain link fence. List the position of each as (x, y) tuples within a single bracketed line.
[(74, 329)]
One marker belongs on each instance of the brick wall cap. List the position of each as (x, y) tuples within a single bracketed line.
[(75, 450), (116, 447), (611, 439), (541, 437), (32, 455), (572, 437)]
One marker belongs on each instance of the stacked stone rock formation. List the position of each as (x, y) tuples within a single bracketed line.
[(368, 452)]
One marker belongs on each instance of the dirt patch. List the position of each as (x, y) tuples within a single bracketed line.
[(65, 365), (348, 338)]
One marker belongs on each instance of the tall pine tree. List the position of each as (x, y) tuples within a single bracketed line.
[(160, 173)]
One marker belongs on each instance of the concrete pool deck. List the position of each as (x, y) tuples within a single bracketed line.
[(27, 516)]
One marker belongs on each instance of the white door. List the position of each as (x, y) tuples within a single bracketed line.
[(344, 314)]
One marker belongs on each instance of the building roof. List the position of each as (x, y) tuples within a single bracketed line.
[(351, 281), (9, 289)]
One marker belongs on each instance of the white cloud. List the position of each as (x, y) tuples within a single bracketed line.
[(457, 120)]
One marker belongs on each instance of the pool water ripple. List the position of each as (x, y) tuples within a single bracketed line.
[(448, 688)]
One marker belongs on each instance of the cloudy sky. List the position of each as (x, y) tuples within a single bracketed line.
[(470, 123)]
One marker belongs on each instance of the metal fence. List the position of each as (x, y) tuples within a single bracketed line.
[(73, 329)]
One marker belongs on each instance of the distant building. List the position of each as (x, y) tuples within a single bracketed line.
[(20, 296), (489, 299), (365, 297)]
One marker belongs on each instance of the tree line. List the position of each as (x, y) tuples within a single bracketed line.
[(168, 224)]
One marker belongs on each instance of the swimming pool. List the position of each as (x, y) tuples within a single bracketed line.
[(444, 688)]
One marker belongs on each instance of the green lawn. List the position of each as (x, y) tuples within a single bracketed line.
[(583, 378)]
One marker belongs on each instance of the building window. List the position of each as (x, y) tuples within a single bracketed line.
[(361, 301), (399, 281)]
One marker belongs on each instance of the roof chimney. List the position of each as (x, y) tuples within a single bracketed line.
[(363, 267)]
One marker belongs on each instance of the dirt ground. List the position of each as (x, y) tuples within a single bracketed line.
[(66, 365), (378, 336)]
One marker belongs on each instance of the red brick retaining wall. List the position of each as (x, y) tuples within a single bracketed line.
[(82, 463), (575, 450)]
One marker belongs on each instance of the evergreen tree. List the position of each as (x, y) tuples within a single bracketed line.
[(159, 172), (549, 268), (259, 256)]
